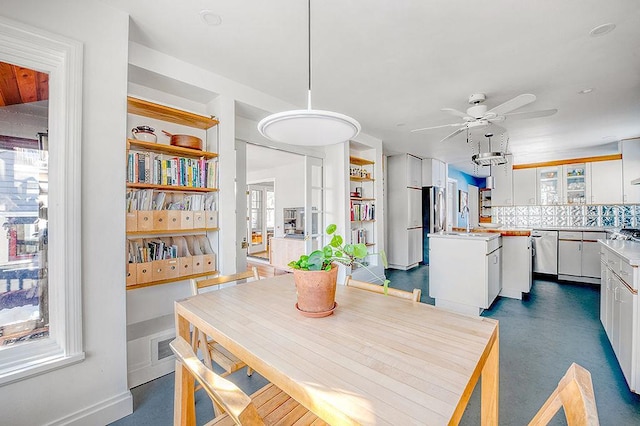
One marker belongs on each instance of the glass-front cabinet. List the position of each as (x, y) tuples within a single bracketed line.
[(550, 185), (575, 183)]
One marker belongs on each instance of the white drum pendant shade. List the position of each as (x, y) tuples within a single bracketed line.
[(309, 127)]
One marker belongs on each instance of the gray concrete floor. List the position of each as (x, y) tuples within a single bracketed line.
[(539, 338)]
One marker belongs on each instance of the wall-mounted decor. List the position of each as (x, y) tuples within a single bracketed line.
[(463, 200)]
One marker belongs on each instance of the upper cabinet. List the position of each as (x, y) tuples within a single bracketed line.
[(525, 187), (434, 172), (574, 184), (414, 172), (606, 182), (631, 170), (549, 185), (502, 192)]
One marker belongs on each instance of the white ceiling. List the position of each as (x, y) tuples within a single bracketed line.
[(393, 65)]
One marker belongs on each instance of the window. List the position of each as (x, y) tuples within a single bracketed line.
[(40, 303)]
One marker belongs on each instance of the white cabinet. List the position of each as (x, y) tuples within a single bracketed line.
[(549, 185), (414, 209), (434, 172), (631, 170), (414, 171), (502, 193), (605, 178), (516, 266), (578, 256), (415, 246), (575, 188), (570, 253), (524, 187), (619, 312), (464, 272), (405, 212)]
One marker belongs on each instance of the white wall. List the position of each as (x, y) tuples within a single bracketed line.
[(289, 187), (95, 390)]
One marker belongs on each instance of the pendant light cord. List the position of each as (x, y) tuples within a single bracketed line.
[(309, 50)]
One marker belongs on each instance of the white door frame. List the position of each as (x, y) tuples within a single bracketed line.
[(452, 203), (474, 205)]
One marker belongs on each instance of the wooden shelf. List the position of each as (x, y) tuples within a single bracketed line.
[(171, 280), (169, 187), (186, 152), (360, 179), (370, 244), (372, 220), (361, 199), (166, 113), (172, 231), (360, 161)]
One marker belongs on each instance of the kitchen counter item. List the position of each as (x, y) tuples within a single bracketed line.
[(184, 141), (144, 133)]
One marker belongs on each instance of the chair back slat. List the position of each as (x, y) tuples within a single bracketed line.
[(235, 402), (414, 296), (575, 394), (197, 285)]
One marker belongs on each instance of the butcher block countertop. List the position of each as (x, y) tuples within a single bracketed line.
[(515, 232)]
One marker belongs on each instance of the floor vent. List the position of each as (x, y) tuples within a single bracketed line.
[(160, 349)]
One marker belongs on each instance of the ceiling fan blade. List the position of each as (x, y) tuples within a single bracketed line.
[(438, 127), (453, 134), (457, 113), (515, 103), (532, 114)]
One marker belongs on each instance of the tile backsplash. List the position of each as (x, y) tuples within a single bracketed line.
[(611, 215)]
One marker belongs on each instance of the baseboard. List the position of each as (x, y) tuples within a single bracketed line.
[(572, 278), (103, 413)]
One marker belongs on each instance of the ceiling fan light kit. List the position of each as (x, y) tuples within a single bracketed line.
[(308, 126)]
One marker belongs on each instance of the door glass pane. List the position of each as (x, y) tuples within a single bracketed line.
[(256, 216), (549, 186), (24, 313), (576, 183)]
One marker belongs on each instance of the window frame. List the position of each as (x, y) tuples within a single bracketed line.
[(61, 58)]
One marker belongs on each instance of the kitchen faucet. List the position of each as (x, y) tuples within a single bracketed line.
[(465, 209)]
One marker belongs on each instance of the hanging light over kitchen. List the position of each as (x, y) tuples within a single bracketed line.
[(309, 126), (489, 158)]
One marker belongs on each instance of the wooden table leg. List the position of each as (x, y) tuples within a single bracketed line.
[(490, 379), (184, 408)]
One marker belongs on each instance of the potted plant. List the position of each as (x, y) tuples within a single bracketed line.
[(316, 274)]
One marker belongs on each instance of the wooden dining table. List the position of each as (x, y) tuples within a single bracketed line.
[(377, 360)]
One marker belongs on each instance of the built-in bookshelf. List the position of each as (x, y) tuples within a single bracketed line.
[(362, 200), (171, 203)]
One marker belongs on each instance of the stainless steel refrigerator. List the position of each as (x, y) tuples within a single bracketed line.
[(434, 216)]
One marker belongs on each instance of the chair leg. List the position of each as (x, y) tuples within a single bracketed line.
[(249, 371)]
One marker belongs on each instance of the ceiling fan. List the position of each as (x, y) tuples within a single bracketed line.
[(477, 115)]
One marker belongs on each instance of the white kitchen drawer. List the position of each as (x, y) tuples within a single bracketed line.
[(570, 235), (593, 236)]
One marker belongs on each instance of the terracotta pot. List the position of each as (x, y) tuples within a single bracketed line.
[(316, 290)]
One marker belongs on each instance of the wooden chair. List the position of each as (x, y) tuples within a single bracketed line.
[(269, 405), (575, 394), (211, 350), (414, 296)]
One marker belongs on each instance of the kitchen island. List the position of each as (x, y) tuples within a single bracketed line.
[(464, 270), (517, 257)]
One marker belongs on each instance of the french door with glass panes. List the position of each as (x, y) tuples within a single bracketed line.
[(261, 206)]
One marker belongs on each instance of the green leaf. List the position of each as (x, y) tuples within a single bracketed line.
[(383, 256), (360, 251), (349, 249), (338, 254), (293, 264), (336, 241), (328, 251), (328, 267), (386, 286), (316, 260), (331, 229)]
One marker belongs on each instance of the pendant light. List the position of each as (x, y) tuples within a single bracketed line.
[(309, 126)]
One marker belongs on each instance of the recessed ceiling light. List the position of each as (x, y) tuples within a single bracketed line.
[(601, 30), (210, 18), (586, 91)]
